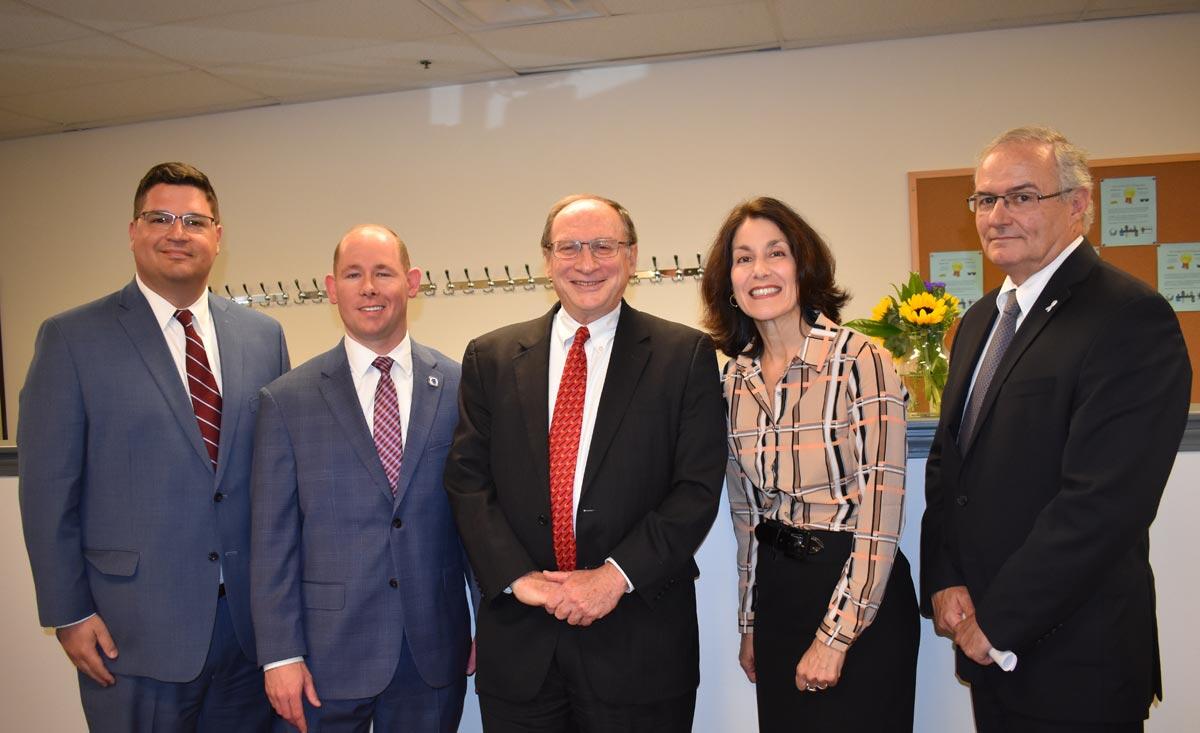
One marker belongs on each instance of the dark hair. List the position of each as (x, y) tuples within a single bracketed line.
[(732, 330), (626, 219), (175, 174)]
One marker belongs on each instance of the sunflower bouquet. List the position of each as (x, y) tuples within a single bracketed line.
[(912, 326)]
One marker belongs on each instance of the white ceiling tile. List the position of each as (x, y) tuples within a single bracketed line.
[(388, 67), (120, 15), (22, 26), (14, 125), (630, 7), (549, 45), (93, 60), (813, 22), (169, 95), (1124, 8), (294, 30)]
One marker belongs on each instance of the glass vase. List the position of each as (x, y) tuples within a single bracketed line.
[(923, 371)]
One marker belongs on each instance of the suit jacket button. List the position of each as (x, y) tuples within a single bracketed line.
[(541, 519), (217, 497), (212, 556), (394, 583), (396, 523), (961, 501)]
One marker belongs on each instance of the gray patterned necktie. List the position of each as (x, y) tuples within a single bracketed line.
[(987, 369)]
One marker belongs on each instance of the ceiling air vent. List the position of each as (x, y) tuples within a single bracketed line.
[(482, 15)]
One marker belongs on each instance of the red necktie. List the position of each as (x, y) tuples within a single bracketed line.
[(202, 386), (564, 449), (389, 436)]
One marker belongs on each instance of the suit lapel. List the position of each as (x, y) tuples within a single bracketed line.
[(143, 330), (531, 369), (630, 351), (1051, 301), (968, 343), (427, 381), (232, 378), (337, 389)]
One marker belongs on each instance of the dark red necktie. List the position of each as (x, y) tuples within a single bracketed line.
[(564, 449), (202, 386), (389, 436)]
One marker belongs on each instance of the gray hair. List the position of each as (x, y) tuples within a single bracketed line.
[(1070, 159)]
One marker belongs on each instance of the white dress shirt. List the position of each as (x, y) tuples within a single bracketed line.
[(366, 378), (172, 330), (1027, 294), (597, 350)]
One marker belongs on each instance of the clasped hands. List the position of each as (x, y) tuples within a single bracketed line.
[(578, 597), (954, 618)]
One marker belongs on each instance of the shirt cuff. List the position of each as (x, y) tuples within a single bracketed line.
[(75, 623), (282, 663), (628, 582)]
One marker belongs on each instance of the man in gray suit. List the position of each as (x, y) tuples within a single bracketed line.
[(135, 438), (358, 573)]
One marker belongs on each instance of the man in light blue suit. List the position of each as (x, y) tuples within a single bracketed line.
[(358, 573), (135, 433)]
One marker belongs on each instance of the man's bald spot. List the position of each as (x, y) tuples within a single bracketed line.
[(387, 231)]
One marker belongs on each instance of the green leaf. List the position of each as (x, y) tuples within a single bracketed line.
[(877, 329)]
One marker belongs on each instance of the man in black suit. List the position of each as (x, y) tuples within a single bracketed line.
[(585, 471), (1066, 401)]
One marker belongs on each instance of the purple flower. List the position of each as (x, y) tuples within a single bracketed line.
[(931, 286)]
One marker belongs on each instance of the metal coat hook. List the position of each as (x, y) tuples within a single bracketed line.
[(469, 285), (529, 284), (430, 287), (678, 276), (239, 299), (511, 285), (449, 289), (280, 297), (699, 267), (491, 284), (656, 275)]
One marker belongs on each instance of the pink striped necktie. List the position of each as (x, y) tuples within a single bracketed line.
[(564, 450), (202, 386), (389, 436)]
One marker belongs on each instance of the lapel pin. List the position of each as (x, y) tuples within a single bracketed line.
[(433, 381), (1051, 306)]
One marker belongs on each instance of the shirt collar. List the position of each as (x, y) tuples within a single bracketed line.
[(164, 312), (360, 357), (1029, 291), (814, 351), (599, 331)]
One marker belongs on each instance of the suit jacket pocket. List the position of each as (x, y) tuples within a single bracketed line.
[(114, 562), (324, 596)]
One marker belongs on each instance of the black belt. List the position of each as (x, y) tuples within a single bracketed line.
[(797, 544)]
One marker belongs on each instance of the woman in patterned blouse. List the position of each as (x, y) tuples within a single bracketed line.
[(827, 610)]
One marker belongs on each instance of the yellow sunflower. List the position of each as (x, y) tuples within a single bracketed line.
[(923, 309), (881, 308), (951, 301)]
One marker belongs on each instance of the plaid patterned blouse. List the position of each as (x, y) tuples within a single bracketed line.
[(826, 451)]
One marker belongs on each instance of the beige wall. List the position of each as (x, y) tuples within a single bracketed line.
[(466, 174)]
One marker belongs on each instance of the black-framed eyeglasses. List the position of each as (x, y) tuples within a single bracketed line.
[(602, 248), (165, 220), (1015, 201)]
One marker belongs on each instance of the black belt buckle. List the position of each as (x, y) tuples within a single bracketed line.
[(794, 543)]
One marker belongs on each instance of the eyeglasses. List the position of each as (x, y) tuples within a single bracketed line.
[(602, 249), (1015, 201), (194, 223)]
